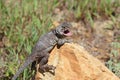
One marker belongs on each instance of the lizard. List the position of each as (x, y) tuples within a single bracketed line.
[(44, 46)]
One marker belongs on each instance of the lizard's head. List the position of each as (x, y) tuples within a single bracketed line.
[(64, 29)]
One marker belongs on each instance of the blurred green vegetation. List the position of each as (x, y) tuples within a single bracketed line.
[(89, 10), (114, 63), (23, 21)]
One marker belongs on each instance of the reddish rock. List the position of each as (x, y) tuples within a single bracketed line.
[(74, 63)]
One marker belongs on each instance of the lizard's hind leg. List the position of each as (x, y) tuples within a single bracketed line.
[(43, 64)]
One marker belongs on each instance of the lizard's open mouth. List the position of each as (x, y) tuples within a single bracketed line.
[(67, 33)]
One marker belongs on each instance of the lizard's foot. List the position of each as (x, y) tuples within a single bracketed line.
[(46, 68), (69, 41), (51, 67)]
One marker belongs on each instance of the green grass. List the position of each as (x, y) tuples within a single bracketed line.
[(89, 10), (114, 64), (23, 21)]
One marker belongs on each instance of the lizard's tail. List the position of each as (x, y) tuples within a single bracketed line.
[(20, 70)]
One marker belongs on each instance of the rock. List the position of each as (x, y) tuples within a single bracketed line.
[(74, 63)]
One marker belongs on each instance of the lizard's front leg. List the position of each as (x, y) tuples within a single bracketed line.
[(62, 41)]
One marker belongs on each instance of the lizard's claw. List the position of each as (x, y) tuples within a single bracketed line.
[(52, 69)]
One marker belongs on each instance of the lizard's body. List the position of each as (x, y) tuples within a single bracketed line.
[(43, 47)]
